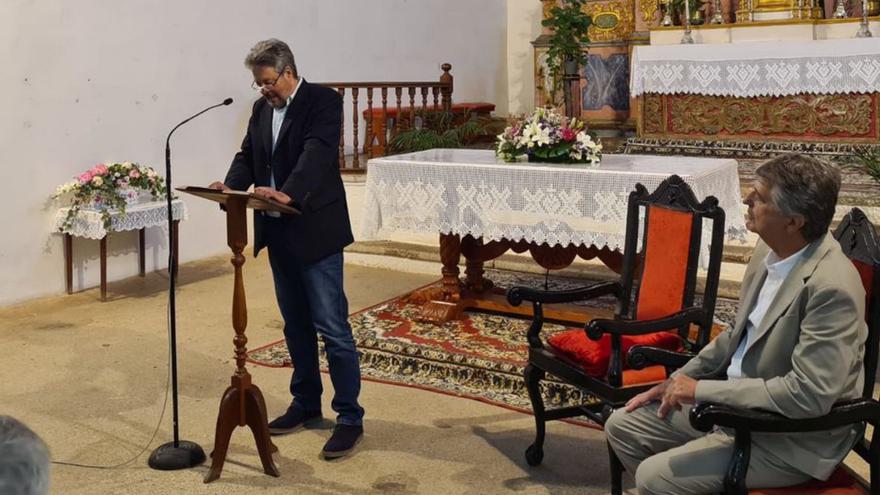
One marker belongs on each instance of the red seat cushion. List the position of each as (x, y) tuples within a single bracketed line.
[(594, 355), (841, 482)]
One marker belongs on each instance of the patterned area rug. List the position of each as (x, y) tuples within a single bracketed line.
[(480, 357)]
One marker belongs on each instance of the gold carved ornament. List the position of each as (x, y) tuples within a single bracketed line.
[(612, 21), (649, 9), (653, 114), (845, 115)]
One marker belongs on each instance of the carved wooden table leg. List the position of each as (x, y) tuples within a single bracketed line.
[(444, 305), (450, 255), (242, 403), (474, 280), (104, 268), (68, 262), (142, 253)]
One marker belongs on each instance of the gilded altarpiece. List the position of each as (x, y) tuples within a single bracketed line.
[(852, 118), (605, 97)]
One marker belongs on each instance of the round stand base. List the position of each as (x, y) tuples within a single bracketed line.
[(167, 457)]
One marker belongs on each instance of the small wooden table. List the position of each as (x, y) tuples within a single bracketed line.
[(89, 225)]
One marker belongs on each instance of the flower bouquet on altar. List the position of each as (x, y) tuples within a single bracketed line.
[(547, 136), (108, 188)]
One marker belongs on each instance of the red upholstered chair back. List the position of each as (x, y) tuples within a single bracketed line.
[(660, 267), (664, 242), (666, 281), (859, 241)]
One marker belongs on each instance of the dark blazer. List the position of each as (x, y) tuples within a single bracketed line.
[(306, 169)]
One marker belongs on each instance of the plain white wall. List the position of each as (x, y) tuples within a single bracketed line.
[(89, 81), (523, 26)]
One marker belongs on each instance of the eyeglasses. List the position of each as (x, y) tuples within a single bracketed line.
[(259, 87)]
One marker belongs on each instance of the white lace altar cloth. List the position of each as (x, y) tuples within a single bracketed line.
[(463, 192), (777, 68), (88, 222)]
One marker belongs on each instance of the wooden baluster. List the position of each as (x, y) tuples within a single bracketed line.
[(383, 127), (425, 119), (341, 92), (368, 141), (446, 87), (355, 119), (398, 117), (412, 107), (435, 91)]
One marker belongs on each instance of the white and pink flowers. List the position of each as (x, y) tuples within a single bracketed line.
[(547, 136), (108, 188)]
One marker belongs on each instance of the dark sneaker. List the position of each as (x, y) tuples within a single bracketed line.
[(343, 440), (293, 420)]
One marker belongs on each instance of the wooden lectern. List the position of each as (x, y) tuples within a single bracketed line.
[(242, 403)]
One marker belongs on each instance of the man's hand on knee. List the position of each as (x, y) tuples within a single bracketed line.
[(650, 395), (680, 390)]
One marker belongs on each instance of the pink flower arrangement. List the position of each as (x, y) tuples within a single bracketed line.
[(547, 136), (109, 188)]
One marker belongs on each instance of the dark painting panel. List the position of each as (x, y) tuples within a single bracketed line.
[(607, 82)]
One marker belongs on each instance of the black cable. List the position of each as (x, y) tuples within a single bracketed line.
[(152, 437)]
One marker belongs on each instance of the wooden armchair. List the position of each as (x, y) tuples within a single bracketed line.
[(656, 305), (860, 243)]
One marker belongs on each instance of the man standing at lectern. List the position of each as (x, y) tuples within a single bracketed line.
[(290, 154)]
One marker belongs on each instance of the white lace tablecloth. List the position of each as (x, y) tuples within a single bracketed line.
[(473, 192), (777, 68), (88, 222)]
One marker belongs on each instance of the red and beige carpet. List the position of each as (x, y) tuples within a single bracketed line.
[(480, 357)]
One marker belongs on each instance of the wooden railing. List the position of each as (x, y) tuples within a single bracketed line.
[(440, 92)]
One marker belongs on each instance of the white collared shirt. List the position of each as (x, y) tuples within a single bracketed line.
[(278, 115), (777, 271)]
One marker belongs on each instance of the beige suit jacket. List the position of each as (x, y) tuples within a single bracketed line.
[(807, 355)]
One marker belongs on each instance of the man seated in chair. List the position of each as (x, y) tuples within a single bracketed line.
[(795, 349)]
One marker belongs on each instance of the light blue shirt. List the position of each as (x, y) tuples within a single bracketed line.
[(278, 115), (777, 271)]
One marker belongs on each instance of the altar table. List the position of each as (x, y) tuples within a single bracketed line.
[(482, 206), (804, 91), (89, 224)]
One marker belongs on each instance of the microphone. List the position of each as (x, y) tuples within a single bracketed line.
[(227, 101), (176, 454)]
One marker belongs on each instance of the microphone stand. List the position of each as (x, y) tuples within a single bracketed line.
[(177, 454)]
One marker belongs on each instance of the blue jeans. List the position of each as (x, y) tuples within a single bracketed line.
[(312, 303)]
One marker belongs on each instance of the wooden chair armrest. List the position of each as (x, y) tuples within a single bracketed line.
[(597, 327), (707, 415), (641, 356), (516, 295)]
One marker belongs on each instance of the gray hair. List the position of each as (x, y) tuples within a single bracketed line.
[(805, 186), (271, 53), (24, 460)]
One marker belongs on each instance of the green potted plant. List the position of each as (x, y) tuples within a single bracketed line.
[(441, 130), (866, 159), (565, 52)]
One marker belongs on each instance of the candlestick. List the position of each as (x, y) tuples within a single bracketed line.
[(687, 39), (667, 17), (864, 31), (717, 17)]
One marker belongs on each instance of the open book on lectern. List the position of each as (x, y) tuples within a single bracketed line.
[(253, 201)]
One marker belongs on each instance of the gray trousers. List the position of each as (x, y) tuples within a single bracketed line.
[(668, 456)]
